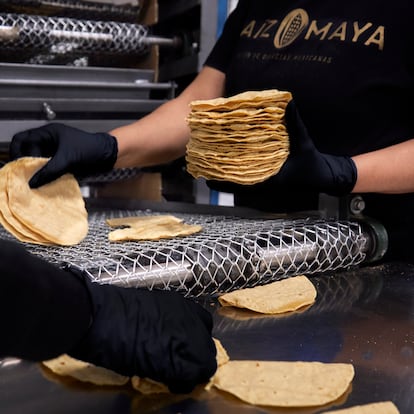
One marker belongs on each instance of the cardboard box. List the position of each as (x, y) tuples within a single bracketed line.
[(149, 16), (149, 13), (145, 186)]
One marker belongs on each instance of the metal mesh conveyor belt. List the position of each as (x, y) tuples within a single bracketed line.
[(229, 253)]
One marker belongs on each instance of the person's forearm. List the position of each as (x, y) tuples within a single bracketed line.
[(158, 138), (389, 170), (162, 136)]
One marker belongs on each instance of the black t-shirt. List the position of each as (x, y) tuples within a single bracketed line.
[(350, 68)]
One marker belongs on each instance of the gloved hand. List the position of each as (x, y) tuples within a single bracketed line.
[(306, 169), (71, 150), (46, 311), (156, 334)]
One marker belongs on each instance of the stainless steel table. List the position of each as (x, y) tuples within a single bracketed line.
[(364, 316)]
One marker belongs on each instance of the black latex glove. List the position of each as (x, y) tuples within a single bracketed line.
[(156, 334), (306, 169), (46, 311), (71, 150)]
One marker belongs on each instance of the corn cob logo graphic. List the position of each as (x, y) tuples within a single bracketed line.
[(290, 28)]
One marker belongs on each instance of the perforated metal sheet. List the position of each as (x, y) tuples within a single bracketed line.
[(229, 253)]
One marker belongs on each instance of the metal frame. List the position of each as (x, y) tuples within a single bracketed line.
[(45, 93)]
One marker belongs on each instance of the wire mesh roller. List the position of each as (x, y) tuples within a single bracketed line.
[(39, 33), (228, 253), (76, 8)]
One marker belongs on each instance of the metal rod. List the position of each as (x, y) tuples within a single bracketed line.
[(138, 84), (174, 42), (150, 276)]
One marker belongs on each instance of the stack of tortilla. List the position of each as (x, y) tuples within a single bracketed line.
[(54, 213), (242, 139)]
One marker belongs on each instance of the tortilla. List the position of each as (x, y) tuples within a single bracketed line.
[(54, 213), (8, 220), (83, 371), (385, 407), (150, 228), (284, 384), (244, 99), (242, 138), (142, 220), (222, 356), (285, 295), (147, 386)]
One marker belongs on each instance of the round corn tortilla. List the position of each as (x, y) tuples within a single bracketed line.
[(150, 228), (8, 220), (385, 407), (83, 371), (148, 386), (284, 384), (136, 221), (54, 212), (244, 99), (285, 295), (222, 356)]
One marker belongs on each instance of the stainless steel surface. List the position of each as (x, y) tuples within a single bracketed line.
[(24, 83), (230, 252), (95, 99), (364, 317), (10, 127)]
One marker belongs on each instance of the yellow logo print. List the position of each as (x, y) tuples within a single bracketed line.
[(297, 22), (290, 28)]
